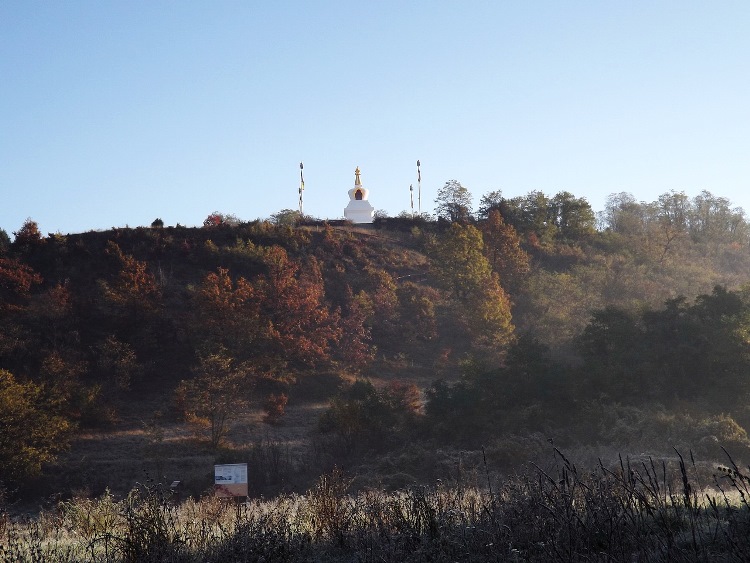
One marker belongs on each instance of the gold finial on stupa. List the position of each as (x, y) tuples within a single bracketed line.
[(357, 181)]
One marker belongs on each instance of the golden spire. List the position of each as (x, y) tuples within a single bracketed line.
[(357, 181)]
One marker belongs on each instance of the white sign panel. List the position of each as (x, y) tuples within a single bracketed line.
[(230, 474)]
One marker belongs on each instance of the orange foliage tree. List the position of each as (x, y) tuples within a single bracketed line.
[(16, 282), (292, 299), (134, 290), (502, 247), (280, 319), (226, 312)]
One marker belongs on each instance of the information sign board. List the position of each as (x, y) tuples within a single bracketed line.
[(230, 480)]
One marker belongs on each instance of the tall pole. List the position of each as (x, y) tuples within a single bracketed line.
[(301, 187), (411, 196), (419, 186)]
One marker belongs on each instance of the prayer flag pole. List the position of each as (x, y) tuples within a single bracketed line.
[(301, 187), (419, 185)]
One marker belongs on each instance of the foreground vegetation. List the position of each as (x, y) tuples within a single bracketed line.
[(644, 511)]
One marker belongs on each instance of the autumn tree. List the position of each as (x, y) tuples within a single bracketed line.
[(4, 241), (491, 318), (532, 214), (453, 202), (32, 434), (17, 281), (713, 219), (292, 299), (669, 222), (134, 289), (379, 300), (572, 216), (277, 319), (226, 312), (28, 234), (502, 247), (556, 305), (458, 261), (357, 352), (623, 214), (216, 396), (490, 201), (53, 330), (213, 220), (461, 267), (417, 312)]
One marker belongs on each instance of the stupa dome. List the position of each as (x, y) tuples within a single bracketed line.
[(359, 210)]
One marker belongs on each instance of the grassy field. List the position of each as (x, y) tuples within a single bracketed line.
[(635, 511)]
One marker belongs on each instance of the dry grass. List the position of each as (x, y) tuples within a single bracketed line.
[(635, 511)]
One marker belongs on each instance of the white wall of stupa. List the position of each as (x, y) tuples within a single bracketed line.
[(359, 209)]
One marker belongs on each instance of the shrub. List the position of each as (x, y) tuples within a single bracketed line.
[(274, 408), (32, 433), (215, 219), (364, 411)]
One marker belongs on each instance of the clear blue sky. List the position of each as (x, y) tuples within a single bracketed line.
[(115, 113)]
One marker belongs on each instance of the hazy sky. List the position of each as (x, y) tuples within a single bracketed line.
[(116, 113)]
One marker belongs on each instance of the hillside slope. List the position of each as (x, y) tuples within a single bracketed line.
[(121, 333)]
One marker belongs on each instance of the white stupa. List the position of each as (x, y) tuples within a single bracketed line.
[(359, 209)]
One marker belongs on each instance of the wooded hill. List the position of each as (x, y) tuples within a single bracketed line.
[(531, 320)]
